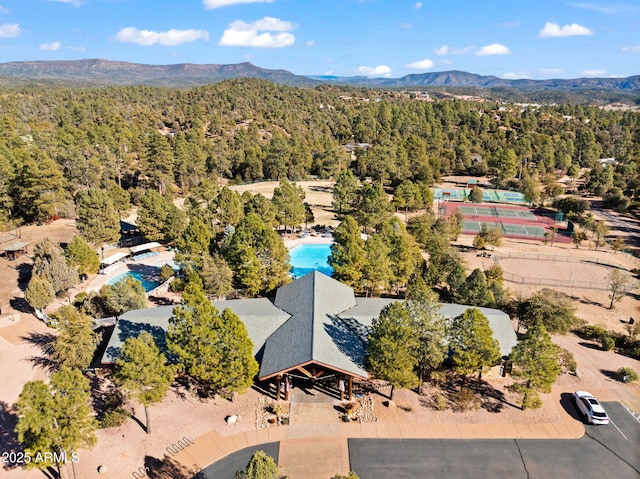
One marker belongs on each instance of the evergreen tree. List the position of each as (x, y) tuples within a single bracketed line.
[(55, 418), (429, 326), (193, 245), (372, 206), (228, 208), (348, 256), (537, 361), (376, 273), (472, 344), (475, 291), (124, 295), (553, 309), (288, 200), (158, 218), (257, 256), (260, 466), (404, 254), (98, 220), (217, 277), (49, 261), (39, 293), (213, 349), (82, 256), (264, 208), (345, 192), (142, 370), (76, 344), (475, 196), (393, 347)]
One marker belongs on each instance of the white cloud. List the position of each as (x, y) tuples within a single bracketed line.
[(9, 30), (551, 71), (425, 64), (75, 3), (551, 29), (516, 75), (405, 26), (447, 50), (608, 9), (418, 5), (169, 38), (594, 73), (4, 9), (310, 43), (633, 49), (241, 34), (77, 49), (379, 71), (213, 4), (493, 49), (51, 47)]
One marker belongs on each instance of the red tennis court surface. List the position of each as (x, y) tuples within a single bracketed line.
[(515, 221)]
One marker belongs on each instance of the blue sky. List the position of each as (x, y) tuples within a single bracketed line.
[(386, 38)]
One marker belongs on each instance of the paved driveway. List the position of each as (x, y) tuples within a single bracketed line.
[(605, 452)]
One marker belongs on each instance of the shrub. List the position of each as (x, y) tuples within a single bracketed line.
[(592, 332), (531, 400), (440, 402), (608, 343), (627, 374), (166, 272), (465, 400), (115, 418), (567, 361)]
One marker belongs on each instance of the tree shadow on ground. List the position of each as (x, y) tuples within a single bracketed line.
[(160, 301), (8, 437), (590, 345), (24, 275), (21, 305), (169, 468), (45, 343), (610, 374), (484, 396)]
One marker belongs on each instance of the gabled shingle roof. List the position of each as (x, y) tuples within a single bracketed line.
[(314, 333)]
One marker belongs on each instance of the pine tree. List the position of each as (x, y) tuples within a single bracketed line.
[(376, 273), (76, 344), (393, 347), (348, 256), (82, 256), (217, 277), (56, 418), (98, 219), (124, 295), (345, 192), (536, 360), (475, 291), (288, 200), (39, 293), (49, 261), (260, 466), (213, 349), (142, 370), (430, 329), (472, 343)]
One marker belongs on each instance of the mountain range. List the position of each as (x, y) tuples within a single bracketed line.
[(108, 72)]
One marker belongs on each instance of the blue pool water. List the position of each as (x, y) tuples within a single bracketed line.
[(147, 283), (306, 258)]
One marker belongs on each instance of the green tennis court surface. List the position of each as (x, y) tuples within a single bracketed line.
[(531, 231)]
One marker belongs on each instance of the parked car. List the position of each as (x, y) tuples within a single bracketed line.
[(589, 408)]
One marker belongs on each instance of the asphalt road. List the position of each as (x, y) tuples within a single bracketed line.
[(605, 452), (226, 468)]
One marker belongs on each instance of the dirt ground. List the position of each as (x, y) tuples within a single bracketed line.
[(317, 194)]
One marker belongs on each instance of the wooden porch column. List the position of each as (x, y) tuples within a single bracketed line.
[(278, 378), (350, 393), (287, 387)]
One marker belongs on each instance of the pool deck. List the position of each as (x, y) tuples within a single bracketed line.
[(292, 243), (100, 280)]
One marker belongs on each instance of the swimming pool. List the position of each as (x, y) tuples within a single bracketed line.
[(306, 258), (145, 278)]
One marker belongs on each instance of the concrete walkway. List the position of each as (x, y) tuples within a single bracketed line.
[(310, 449)]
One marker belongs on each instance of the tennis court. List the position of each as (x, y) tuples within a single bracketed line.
[(498, 212), (529, 231), (488, 195)]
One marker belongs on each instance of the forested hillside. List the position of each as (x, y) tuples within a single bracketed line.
[(57, 142)]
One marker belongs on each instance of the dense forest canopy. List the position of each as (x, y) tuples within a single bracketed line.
[(56, 142)]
